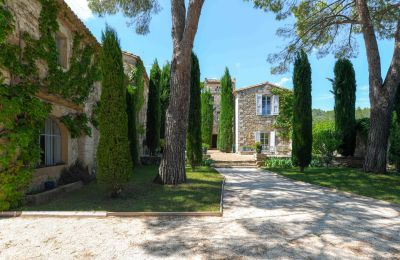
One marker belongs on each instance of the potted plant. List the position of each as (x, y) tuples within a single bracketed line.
[(258, 147), (49, 184), (205, 148)]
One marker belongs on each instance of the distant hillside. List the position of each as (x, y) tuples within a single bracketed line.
[(321, 115)]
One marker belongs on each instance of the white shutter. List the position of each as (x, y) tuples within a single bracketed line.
[(258, 104), (272, 140), (257, 137), (275, 105)]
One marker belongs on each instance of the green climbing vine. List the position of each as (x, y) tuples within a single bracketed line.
[(77, 125), (22, 114), (284, 119)]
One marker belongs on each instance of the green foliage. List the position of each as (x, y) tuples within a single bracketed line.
[(325, 141), (344, 89), (154, 110), (321, 115), (225, 124), (362, 128), (278, 163), (207, 117), (394, 139), (164, 95), (77, 125), (207, 162), (193, 137), (134, 101), (258, 147), (284, 120), (302, 115), (114, 163)]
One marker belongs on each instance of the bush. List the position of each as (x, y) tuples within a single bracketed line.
[(207, 162), (278, 163), (317, 162), (258, 147), (75, 172), (325, 141)]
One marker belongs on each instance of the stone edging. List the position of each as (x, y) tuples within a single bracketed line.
[(104, 214), (334, 190)]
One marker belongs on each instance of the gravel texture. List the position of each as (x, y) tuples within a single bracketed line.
[(266, 216)]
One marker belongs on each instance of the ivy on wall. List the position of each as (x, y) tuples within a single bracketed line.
[(284, 118), (22, 114), (77, 125)]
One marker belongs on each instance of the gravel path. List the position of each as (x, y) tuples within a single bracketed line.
[(266, 216)]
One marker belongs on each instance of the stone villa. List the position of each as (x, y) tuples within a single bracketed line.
[(58, 147), (255, 111)]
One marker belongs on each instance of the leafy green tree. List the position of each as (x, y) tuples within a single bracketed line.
[(154, 110), (302, 115), (394, 148), (114, 163), (135, 100), (344, 89), (207, 117), (193, 142), (164, 95), (225, 124), (185, 20), (331, 27)]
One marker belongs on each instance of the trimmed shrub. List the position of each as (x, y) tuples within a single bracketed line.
[(207, 116), (154, 110), (278, 163), (114, 162), (164, 95), (77, 171)]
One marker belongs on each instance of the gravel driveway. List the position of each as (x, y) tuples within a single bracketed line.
[(266, 216)]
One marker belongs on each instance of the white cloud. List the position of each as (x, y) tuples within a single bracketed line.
[(81, 8), (282, 81)]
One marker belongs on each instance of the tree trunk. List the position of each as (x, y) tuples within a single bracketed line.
[(184, 27), (382, 94)]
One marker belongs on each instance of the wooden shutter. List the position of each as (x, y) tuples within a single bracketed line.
[(258, 104), (275, 105)]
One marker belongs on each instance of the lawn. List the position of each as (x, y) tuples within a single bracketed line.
[(379, 186), (202, 192)]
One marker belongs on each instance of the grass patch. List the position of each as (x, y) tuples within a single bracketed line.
[(202, 192), (379, 186)]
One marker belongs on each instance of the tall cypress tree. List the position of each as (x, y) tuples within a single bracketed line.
[(225, 123), (207, 117), (154, 110), (193, 141), (344, 89), (302, 113), (164, 95), (114, 163)]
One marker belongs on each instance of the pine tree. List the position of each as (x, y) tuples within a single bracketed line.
[(225, 124), (193, 141), (114, 163), (154, 110), (207, 117), (302, 113), (164, 95), (344, 89)]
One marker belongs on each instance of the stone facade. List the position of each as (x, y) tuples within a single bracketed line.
[(252, 127), (26, 15)]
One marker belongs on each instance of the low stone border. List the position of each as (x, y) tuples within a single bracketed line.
[(104, 214), (344, 193)]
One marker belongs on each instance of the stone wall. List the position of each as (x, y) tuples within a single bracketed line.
[(249, 122)]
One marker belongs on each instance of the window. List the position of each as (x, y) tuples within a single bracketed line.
[(264, 140), (266, 105), (50, 144), (62, 49)]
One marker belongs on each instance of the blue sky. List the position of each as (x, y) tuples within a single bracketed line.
[(235, 35)]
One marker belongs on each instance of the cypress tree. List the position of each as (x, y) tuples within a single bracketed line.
[(344, 89), (154, 110), (225, 123), (164, 95), (193, 141), (114, 163), (207, 117), (302, 113), (135, 101)]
